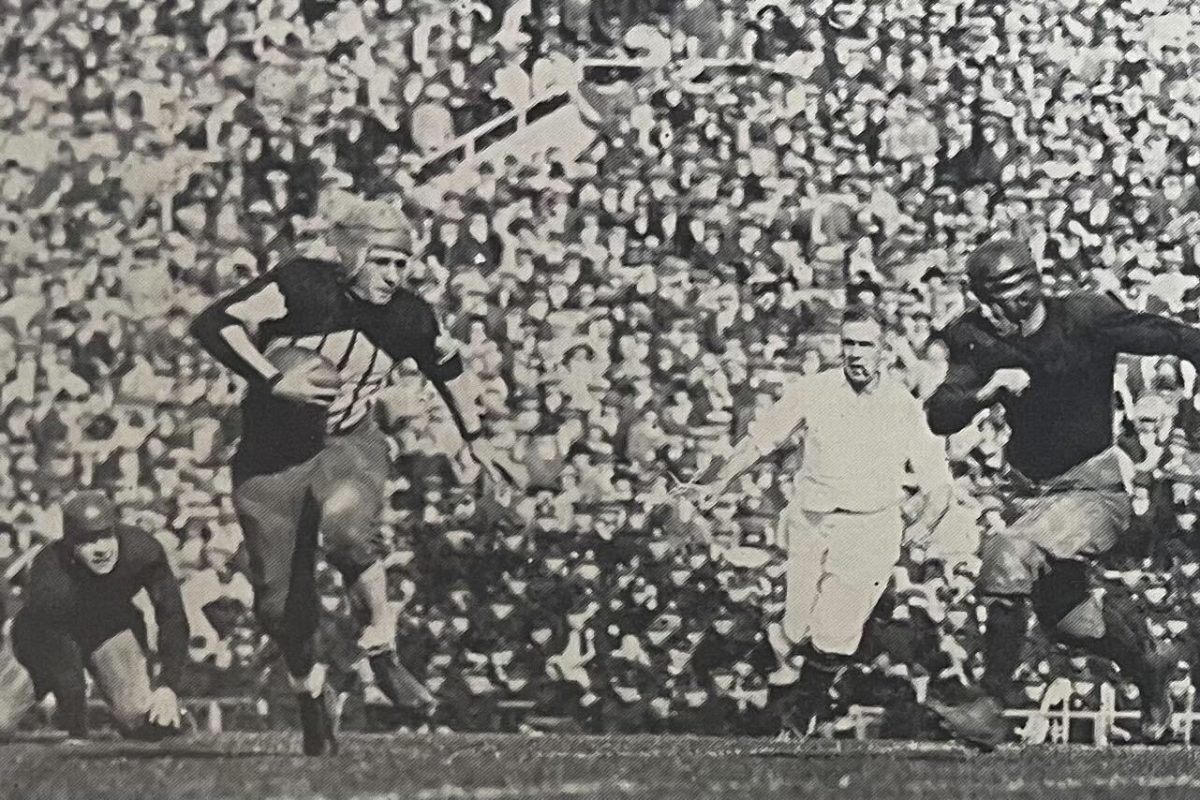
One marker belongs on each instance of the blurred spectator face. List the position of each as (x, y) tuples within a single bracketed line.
[(810, 362), (1141, 500), (541, 635)]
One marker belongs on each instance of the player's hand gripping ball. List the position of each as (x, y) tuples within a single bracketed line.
[(308, 377)]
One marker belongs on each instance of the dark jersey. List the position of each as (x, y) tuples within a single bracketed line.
[(1066, 414), (65, 597), (301, 303)]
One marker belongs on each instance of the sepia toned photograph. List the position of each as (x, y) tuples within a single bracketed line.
[(599, 399)]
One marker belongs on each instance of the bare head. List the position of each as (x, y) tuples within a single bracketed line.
[(862, 345)]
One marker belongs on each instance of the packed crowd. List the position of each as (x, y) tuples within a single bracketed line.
[(629, 310)]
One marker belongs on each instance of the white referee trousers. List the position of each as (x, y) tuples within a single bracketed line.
[(839, 565)]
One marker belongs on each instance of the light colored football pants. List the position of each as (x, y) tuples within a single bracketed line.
[(839, 565)]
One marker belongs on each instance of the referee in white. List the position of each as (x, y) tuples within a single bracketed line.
[(865, 440)]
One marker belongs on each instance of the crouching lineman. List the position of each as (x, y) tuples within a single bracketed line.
[(312, 458), (79, 615), (863, 432)]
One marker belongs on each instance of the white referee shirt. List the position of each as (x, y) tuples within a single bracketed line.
[(858, 447)]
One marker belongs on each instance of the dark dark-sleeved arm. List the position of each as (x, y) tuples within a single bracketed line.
[(436, 360), (1138, 333), (956, 402), (49, 591), (43, 639), (169, 615), (258, 301)]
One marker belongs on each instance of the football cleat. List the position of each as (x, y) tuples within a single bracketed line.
[(399, 685), (978, 723), (1156, 696)]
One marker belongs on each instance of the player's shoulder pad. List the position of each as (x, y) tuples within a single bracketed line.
[(1084, 304), (51, 551), (410, 302), (418, 311), (137, 544), (962, 329), (305, 270)]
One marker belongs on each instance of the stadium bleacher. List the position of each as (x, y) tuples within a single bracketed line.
[(753, 164)]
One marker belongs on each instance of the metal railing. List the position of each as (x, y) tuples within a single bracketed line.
[(467, 146), (1055, 725), (470, 144)]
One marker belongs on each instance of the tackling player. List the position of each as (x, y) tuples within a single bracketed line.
[(1050, 363), (863, 432), (80, 615), (312, 456)]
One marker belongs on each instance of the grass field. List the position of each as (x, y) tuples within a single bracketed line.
[(261, 766)]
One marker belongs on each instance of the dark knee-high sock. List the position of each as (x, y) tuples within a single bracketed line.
[(295, 636), (1126, 640), (811, 693), (299, 654), (56, 665), (1003, 641)]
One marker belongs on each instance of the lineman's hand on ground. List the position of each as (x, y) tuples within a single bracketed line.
[(164, 708)]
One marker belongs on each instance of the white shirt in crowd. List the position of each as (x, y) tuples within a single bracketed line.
[(859, 448)]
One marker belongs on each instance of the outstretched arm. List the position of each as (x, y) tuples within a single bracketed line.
[(170, 618), (745, 454), (438, 359), (1139, 333), (173, 636), (43, 638), (461, 396), (771, 428), (440, 362)]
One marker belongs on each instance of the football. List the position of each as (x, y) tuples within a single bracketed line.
[(289, 357)]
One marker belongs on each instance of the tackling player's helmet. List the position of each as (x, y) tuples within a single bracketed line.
[(88, 515), (996, 260), (1004, 276), (90, 528)]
